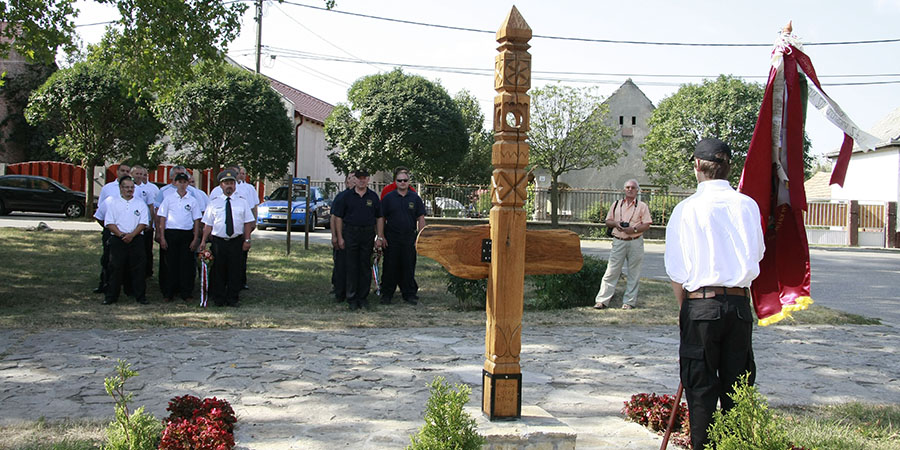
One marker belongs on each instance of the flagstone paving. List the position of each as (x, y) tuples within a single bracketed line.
[(367, 388)]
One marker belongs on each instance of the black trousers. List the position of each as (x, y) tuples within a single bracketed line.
[(716, 348), (339, 273), (104, 260), (225, 276), (127, 262), (148, 248), (180, 264), (358, 244), (244, 268), (399, 266)]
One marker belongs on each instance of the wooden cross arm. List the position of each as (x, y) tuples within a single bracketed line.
[(458, 249)]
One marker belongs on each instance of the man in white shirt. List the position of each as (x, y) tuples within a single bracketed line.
[(147, 192), (126, 217), (227, 223), (714, 243), (108, 190), (246, 191), (179, 228)]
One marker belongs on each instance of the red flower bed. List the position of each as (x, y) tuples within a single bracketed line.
[(196, 424)]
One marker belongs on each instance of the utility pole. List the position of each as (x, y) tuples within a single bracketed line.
[(259, 11)]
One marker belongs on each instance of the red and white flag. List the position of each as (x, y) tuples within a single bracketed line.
[(773, 177)]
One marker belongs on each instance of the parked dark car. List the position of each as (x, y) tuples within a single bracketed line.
[(32, 193), (273, 212)]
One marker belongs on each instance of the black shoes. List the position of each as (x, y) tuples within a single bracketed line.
[(99, 290), (412, 300), (109, 301), (245, 287), (143, 301), (385, 300)]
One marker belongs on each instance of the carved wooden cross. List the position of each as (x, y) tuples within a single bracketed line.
[(513, 251)]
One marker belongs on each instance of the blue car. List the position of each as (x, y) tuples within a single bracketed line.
[(273, 212)]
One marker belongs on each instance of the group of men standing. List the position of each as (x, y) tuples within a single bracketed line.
[(363, 223), (182, 219)]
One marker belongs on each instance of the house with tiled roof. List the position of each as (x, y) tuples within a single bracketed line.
[(308, 114), (874, 175)]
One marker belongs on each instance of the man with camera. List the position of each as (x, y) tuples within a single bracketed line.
[(629, 219)]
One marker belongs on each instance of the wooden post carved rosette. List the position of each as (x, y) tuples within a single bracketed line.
[(504, 251)]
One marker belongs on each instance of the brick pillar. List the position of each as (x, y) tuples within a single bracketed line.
[(890, 225), (853, 224)]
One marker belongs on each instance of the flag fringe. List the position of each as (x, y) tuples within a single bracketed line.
[(800, 303)]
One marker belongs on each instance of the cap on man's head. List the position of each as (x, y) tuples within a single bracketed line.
[(227, 175), (708, 149), (360, 173), (182, 176)]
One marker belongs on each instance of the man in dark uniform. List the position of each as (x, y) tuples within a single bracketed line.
[(339, 256), (228, 221), (404, 217), (125, 218), (357, 222), (714, 243)]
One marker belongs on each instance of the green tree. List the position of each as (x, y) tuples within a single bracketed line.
[(227, 115), (725, 108), (476, 166), (96, 119), (394, 119), (41, 27), (569, 131), (154, 43), (33, 140)]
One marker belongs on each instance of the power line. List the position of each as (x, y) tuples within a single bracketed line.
[(578, 39), (559, 75)]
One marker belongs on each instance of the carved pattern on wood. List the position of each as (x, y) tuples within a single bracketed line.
[(508, 187)]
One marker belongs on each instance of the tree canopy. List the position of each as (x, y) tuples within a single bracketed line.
[(36, 29), (96, 119), (32, 140), (394, 119), (569, 131), (476, 167), (154, 43), (227, 115), (725, 108)]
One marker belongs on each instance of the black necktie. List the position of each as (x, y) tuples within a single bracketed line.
[(229, 222)]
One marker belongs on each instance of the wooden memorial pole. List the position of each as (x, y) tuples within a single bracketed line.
[(504, 252)]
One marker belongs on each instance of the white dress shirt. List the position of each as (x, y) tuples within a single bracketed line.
[(215, 216), (126, 214), (180, 212), (169, 189), (714, 238), (245, 191), (110, 189)]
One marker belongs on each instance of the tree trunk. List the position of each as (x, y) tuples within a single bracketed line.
[(554, 200), (89, 190)]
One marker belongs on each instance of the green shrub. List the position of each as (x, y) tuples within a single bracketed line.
[(129, 431), (661, 207), (749, 425), (447, 425), (144, 432), (596, 213), (569, 290), (471, 294)]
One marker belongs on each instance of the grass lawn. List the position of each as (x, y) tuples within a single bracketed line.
[(47, 279)]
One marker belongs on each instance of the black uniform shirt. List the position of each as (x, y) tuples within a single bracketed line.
[(401, 212), (356, 210)]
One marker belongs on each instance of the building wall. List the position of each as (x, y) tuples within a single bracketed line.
[(872, 176), (628, 103), (312, 158)]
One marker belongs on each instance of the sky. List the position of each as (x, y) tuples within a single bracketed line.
[(301, 43)]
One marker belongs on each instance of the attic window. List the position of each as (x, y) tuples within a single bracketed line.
[(633, 121), (621, 120)]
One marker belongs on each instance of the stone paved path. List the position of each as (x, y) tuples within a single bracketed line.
[(366, 388)]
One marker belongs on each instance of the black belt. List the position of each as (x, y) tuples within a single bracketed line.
[(228, 239), (712, 291), (627, 238)]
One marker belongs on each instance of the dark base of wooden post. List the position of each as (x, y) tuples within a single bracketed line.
[(501, 395)]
